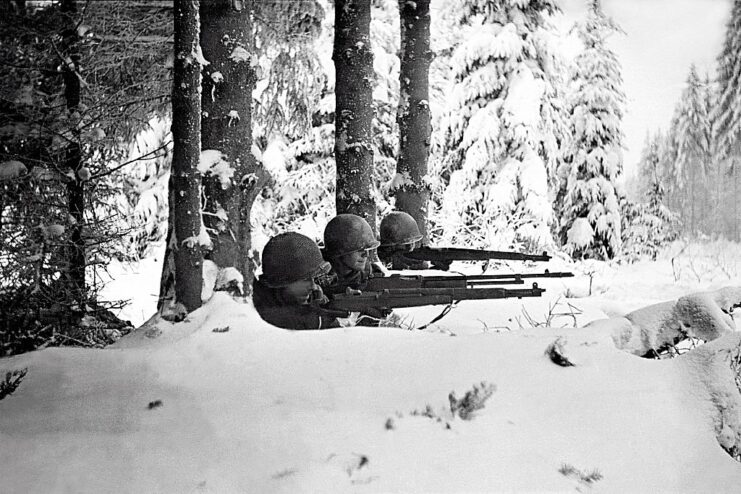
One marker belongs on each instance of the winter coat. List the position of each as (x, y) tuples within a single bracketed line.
[(277, 312)]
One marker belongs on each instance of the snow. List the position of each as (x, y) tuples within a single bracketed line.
[(12, 169), (223, 402), (215, 162)]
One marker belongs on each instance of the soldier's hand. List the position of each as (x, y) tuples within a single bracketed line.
[(375, 312)]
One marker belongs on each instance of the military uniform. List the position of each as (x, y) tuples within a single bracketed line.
[(275, 310), (345, 235), (286, 295), (400, 234)]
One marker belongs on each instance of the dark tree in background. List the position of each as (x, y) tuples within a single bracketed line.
[(353, 60), (228, 82), (412, 194), (185, 179), (70, 53)]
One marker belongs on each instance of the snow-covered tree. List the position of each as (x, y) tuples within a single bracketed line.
[(302, 196), (692, 140), (589, 207), (185, 178), (499, 138), (411, 191), (647, 224), (727, 114)]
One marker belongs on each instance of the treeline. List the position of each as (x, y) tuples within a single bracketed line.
[(695, 166)]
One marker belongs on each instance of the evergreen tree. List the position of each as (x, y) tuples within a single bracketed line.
[(412, 193), (185, 179), (589, 203), (353, 60), (500, 131), (727, 114), (302, 195), (692, 138)]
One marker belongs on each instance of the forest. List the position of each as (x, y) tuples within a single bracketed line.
[(469, 120), (149, 149)]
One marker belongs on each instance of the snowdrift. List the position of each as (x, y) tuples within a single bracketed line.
[(224, 402)]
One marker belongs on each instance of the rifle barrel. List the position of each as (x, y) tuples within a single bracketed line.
[(396, 281), (415, 297), (458, 254)]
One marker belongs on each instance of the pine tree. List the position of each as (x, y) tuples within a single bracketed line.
[(500, 132), (353, 59), (185, 179), (412, 194), (589, 203), (692, 139), (727, 115)]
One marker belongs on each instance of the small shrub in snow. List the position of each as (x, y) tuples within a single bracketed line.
[(557, 353), (473, 400), (12, 381), (583, 477)]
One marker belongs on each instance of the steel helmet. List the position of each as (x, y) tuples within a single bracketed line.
[(346, 233), (399, 228), (291, 257)]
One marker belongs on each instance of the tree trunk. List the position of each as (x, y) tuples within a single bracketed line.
[(185, 179), (412, 194), (353, 60), (73, 154), (228, 82)]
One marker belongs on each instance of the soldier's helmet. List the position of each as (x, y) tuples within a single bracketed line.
[(399, 228), (346, 233), (291, 257)]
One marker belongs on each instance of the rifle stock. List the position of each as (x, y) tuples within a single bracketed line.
[(396, 281), (448, 254), (416, 297)]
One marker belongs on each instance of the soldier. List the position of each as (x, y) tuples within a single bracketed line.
[(349, 245), (400, 234), (288, 294)]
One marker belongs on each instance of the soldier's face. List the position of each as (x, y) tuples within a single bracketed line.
[(355, 260), (299, 292)]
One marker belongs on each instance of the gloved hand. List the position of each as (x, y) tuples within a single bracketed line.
[(372, 316)]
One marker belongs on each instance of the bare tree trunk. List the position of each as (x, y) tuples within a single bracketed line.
[(228, 82), (353, 60), (412, 195), (73, 154), (185, 179)]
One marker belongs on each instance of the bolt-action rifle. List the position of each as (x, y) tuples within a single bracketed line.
[(449, 254), (396, 281), (341, 305)]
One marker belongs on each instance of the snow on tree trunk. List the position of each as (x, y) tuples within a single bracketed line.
[(353, 60), (185, 179), (228, 82), (412, 193), (73, 154)]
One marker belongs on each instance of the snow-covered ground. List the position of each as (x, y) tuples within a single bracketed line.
[(223, 402)]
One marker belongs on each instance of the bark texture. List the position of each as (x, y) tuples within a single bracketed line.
[(353, 60), (185, 179), (228, 82), (412, 194)]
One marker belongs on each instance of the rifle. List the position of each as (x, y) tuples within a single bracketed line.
[(342, 304), (448, 254), (397, 281)]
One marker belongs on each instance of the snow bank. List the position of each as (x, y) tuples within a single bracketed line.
[(224, 402)]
